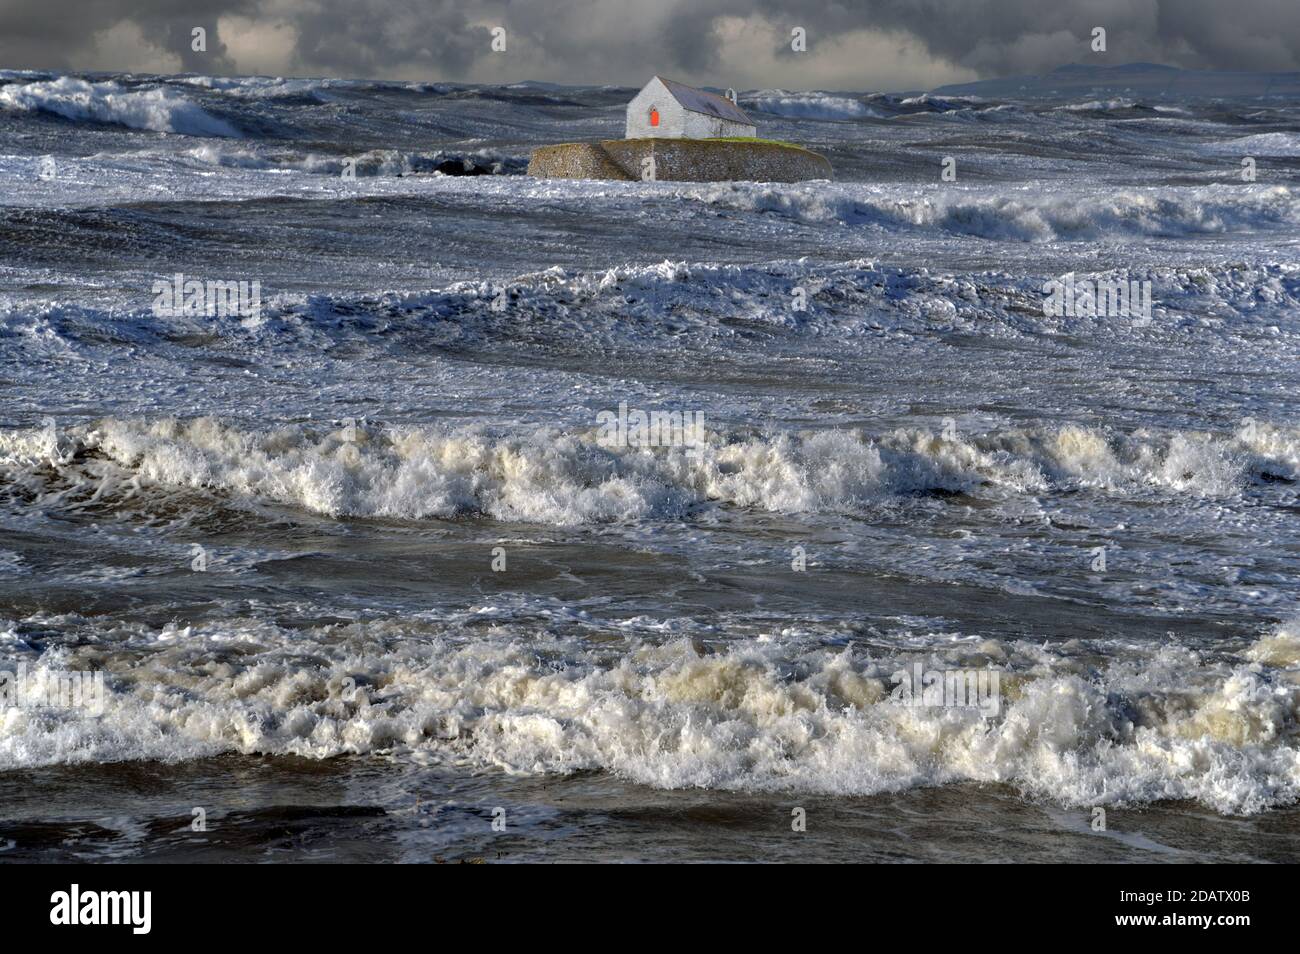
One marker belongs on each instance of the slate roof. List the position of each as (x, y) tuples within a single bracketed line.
[(711, 104)]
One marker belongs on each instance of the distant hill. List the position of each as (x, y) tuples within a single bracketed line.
[(1146, 80)]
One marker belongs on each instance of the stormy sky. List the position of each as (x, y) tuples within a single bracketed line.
[(851, 44)]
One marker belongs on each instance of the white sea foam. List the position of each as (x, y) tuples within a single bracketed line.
[(548, 476), (1281, 647), (1261, 144), (264, 87), (720, 308), (157, 109), (810, 105), (1022, 217), (377, 162), (766, 715), (1100, 105), (941, 104)]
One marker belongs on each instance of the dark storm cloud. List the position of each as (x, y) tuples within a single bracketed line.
[(59, 34), (1002, 36), (624, 40), (369, 37), (690, 38)]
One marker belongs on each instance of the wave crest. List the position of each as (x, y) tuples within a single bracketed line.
[(159, 110), (763, 715), (564, 478)]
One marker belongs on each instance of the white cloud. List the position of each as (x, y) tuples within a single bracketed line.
[(125, 42), (259, 46), (857, 59)]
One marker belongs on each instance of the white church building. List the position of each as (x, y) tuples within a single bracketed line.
[(667, 110)]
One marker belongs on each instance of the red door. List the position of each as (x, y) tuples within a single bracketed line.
[(654, 116)]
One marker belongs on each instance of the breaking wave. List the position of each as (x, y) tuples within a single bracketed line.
[(637, 306), (159, 110), (565, 478), (1038, 217), (1067, 723), (266, 87), (810, 106), (1262, 144)]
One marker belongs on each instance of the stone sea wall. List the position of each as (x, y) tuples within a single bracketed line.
[(679, 160)]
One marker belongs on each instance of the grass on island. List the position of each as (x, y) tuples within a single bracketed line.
[(767, 142)]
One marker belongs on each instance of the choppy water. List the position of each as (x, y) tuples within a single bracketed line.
[(276, 535)]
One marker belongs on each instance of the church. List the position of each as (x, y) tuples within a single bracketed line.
[(668, 110)]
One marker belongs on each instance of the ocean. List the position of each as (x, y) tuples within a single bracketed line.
[(495, 518)]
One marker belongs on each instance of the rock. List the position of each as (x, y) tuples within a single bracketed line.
[(680, 160), (461, 167)]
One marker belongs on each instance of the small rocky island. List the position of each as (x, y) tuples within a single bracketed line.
[(676, 133), (679, 160)]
